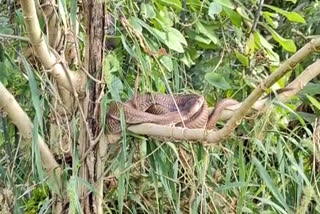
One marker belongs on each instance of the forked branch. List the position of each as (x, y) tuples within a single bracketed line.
[(46, 57), (241, 110)]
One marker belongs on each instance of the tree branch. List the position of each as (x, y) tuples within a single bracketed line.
[(9, 105), (237, 112), (48, 59)]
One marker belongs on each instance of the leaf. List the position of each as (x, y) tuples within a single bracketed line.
[(175, 40), (167, 62), (208, 33), (62, 8), (155, 32), (111, 64), (250, 45), (35, 94), (311, 89), (73, 14), (135, 24), (127, 48), (243, 13), (172, 3), (147, 11), (242, 58), (287, 44), (314, 101), (268, 181), (260, 41), (178, 35), (271, 203), (291, 16), (293, 1), (189, 56), (174, 44), (236, 19), (158, 34), (267, 16), (115, 87), (225, 3), (217, 80), (214, 9), (203, 39), (165, 18)]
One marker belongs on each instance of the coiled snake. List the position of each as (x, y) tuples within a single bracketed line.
[(190, 111)]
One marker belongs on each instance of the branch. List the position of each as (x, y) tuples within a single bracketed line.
[(179, 133), (9, 105), (237, 112), (301, 81), (287, 66), (256, 19), (47, 58)]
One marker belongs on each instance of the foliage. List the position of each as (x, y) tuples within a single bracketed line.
[(182, 46)]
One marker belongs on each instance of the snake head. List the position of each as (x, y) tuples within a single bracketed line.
[(194, 105)]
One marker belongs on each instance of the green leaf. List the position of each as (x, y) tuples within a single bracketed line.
[(111, 65), (208, 33), (214, 9), (127, 48), (235, 18), (311, 89), (172, 3), (62, 8), (291, 16), (73, 13), (177, 35), (287, 44), (243, 13), (155, 32), (225, 3), (267, 16), (195, 5), (268, 181), (293, 1), (175, 40), (188, 57), (115, 87), (158, 34), (314, 101), (174, 44), (271, 203), (250, 45), (165, 18), (6, 30), (147, 11), (260, 41), (167, 62), (35, 94), (135, 24), (203, 39), (217, 80), (242, 58)]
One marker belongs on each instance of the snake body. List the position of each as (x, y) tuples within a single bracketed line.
[(190, 111)]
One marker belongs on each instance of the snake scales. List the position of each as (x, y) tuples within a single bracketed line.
[(190, 111)]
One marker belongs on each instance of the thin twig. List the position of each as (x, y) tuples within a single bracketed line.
[(257, 16)]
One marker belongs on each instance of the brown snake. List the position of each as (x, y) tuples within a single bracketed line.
[(190, 111)]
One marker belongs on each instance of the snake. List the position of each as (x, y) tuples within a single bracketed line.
[(189, 111)]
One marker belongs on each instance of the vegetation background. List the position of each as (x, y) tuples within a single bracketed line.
[(216, 48)]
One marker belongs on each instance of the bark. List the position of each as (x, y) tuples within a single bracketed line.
[(91, 169)]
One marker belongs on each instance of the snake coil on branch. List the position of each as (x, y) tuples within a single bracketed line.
[(190, 111)]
